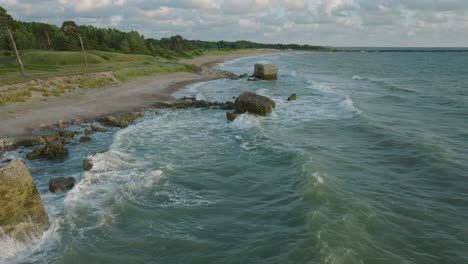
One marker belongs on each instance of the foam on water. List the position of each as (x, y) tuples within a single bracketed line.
[(358, 78), (191, 90), (246, 121)]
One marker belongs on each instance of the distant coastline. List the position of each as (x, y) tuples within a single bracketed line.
[(400, 49)]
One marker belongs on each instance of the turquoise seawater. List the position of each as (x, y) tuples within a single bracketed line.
[(369, 165)]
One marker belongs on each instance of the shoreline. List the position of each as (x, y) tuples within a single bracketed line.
[(25, 119)]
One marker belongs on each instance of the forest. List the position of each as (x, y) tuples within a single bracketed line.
[(42, 36)]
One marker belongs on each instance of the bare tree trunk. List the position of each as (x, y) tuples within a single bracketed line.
[(16, 51), (83, 50), (48, 40)]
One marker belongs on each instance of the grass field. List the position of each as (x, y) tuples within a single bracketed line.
[(41, 64)]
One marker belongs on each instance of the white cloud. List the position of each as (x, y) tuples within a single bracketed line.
[(326, 22), (91, 5)]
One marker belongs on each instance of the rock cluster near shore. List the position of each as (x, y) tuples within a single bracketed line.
[(22, 216), (190, 102), (217, 72)]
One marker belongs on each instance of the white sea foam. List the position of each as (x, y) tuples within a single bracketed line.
[(113, 160), (318, 177), (247, 146), (349, 105), (246, 121), (181, 198), (191, 90), (9, 247), (358, 78)]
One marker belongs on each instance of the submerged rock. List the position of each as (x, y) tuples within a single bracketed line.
[(67, 134), (266, 71), (98, 129), (55, 151), (52, 151), (35, 154), (61, 184), (21, 213), (254, 103), (87, 164), (231, 116), (292, 97), (85, 139)]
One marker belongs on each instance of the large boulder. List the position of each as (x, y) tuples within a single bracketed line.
[(254, 104), (266, 71), (61, 184), (21, 213)]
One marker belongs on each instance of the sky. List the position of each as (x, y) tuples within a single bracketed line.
[(339, 23)]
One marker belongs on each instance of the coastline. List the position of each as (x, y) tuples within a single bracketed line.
[(23, 119)]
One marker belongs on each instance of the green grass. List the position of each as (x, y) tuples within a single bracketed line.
[(119, 57), (58, 58), (19, 96), (155, 69)]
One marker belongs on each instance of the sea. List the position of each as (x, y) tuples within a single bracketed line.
[(368, 165)]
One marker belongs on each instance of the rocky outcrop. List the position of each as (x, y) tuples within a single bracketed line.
[(266, 71), (87, 164), (7, 144), (21, 213), (202, 70), (120, 120), (52, 151), (61, 184), (185, 103), (254, 104), (292, 97)]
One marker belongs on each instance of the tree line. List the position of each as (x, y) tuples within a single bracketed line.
[(18, 35)]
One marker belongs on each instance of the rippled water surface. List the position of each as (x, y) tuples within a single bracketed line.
[(368, 165)]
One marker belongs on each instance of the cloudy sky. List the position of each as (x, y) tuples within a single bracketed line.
[(422, 23)]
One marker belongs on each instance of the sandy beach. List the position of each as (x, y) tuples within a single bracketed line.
[(18, 119)]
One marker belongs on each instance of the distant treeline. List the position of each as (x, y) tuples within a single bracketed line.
[(33, 35)]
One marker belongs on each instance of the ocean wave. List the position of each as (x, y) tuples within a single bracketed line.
[(113, 160), (191, 90), (180, 198), (246, 121), (358, 78), (247, 146), (331, 103), (384, 84)]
